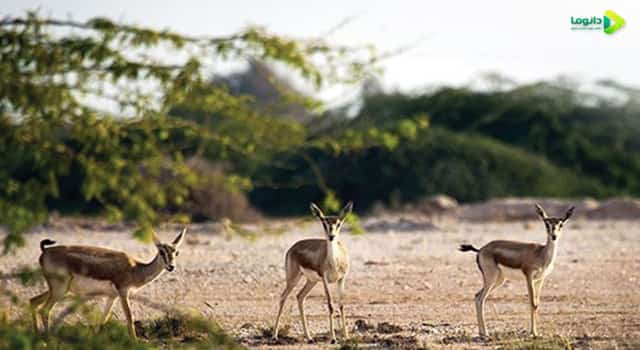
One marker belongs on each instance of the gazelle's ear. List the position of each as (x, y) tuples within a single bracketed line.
[(569, 213), (346, 210), (178, 241), (541, 211), (155, 238), (316, 211)]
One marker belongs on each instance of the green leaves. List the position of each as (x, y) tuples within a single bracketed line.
[(88, 116)]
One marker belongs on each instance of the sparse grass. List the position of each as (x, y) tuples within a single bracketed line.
[(512, 341), (388, 328), (457, 337), (555, 342), (173, 331), (382, 342)]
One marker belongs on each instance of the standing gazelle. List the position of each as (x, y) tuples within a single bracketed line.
[(534, 260), (323, 260), (88, 271)]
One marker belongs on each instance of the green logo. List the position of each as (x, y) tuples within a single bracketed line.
[(609, 23), (618, 22)]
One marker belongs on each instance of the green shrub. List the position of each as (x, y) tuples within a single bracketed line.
[(466, 166), (588, 133)]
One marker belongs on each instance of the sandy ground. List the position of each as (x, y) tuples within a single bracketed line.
[(414, 279)]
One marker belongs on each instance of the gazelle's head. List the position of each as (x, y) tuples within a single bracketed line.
[(168, 252), (332, 224), (553, 225)]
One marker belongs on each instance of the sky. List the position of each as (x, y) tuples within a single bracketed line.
[(457, 41)]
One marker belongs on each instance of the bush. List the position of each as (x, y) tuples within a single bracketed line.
[(215, 196), (467, 167), (587, 133)]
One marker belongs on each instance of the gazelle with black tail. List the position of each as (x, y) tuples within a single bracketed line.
[(318, 260), (88, 271), (534, 260)]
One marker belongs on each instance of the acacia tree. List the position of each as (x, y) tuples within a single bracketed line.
[(86, 105)]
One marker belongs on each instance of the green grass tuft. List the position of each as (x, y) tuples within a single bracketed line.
[(172, 331)]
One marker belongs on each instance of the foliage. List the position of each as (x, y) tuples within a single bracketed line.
[(217, 196), (434, 160), (171, 331), (177, 330), (269, 92), (86, 115), (103, 118), (593, 135)]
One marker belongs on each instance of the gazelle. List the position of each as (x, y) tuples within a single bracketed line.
[(318, 260), (88, 272), (534, 260)]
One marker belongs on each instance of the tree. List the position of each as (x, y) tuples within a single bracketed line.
[(270, 92), (84, 113)]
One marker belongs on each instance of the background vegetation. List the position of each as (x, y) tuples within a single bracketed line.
[(542, 139), (101, 117), (130, 123)]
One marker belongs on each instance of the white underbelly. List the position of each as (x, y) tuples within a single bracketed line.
[(82, 285)]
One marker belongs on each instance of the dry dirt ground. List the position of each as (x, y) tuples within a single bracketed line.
[(404, 272)]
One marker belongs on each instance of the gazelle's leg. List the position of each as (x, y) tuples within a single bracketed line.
[(327, 292), (302, 295), (293, 276), (537, 287), (499, 281), (36, 302), (490, 275), (108, 308), (58, 286), (343, 321), (124, 300), (532, 302)]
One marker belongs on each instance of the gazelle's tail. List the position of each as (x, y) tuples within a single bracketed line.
[(46, 242), (468, 248)]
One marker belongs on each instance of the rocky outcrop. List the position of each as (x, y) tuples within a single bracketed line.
[(508, 209)]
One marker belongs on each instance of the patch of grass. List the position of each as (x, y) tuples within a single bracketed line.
[(19, 335), (179, 330), (376, 341), (457, 337), (173, 331), (511, 340), (555, 342), (388, 328)]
